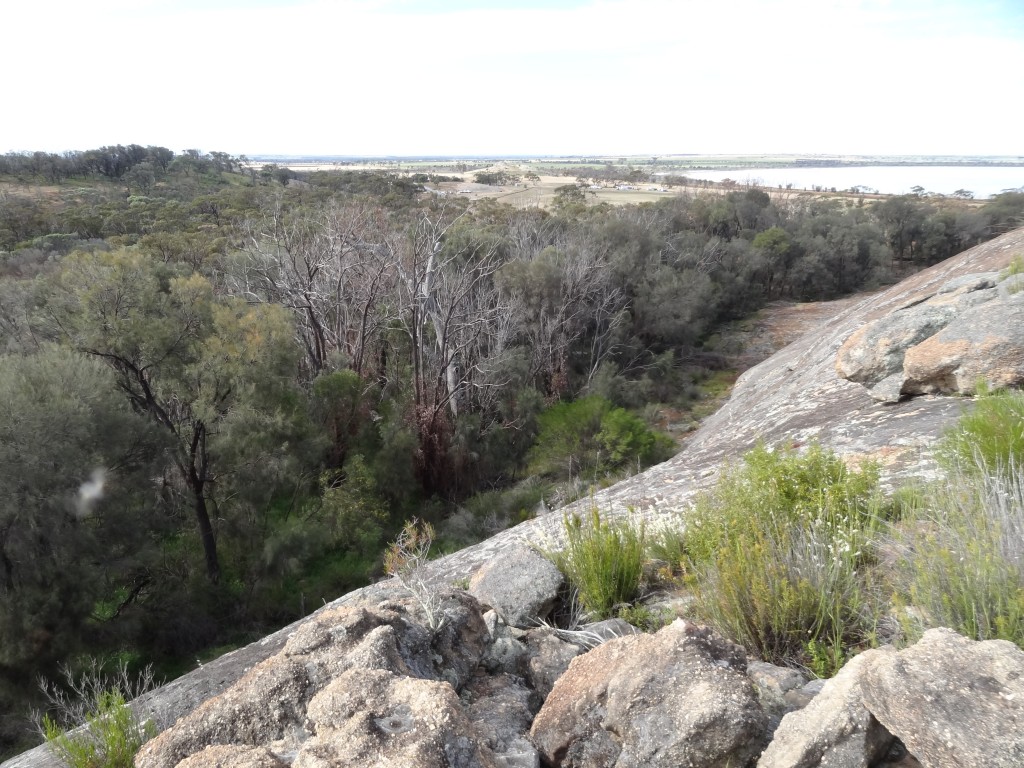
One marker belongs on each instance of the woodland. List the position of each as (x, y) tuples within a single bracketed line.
[(224, 387)]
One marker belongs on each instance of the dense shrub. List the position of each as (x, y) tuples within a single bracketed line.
[(962, 539), (590, 436), (961, 557), (778, 551)]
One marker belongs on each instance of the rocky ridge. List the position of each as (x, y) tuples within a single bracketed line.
[(365, 677)]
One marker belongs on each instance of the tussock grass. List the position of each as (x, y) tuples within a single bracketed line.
[(604, 561)]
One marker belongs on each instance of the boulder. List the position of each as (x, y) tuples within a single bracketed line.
[(984, 344), (374, 717), (952, 701), (776, 688), (875, 354), (969, 330), (521, 585), (835, 729), (678, 697), (549, 657), (976, 281), (269, 705), (507, 652)]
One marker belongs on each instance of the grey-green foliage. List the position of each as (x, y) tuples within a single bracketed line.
[(779, 549), (962, 556), (964, 536), (71, 453)]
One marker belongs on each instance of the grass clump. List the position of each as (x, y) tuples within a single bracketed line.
[(604, 561), (989, 438), (778, 552), (404, 558)]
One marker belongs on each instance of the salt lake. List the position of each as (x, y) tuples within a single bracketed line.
[(982, 181)]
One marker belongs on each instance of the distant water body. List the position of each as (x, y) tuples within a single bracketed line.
[(983, 181)]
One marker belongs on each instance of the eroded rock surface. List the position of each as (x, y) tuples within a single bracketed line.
[(678, 697), (969, 331), (357, 683), (983, 345)]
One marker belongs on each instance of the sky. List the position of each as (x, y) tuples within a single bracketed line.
[(515, 77)]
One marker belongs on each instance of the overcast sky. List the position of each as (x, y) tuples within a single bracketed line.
[(533, 77)]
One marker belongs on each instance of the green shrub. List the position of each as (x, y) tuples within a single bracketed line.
[(603, 561), (626, 439), (566, 440), (779, 550), (962, 563), (110, 739), (589, 435), (990, 437)]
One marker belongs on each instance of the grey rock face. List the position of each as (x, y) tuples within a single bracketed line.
[(835, 729), (501, 709), (954, 702), (971, 329), (351, 682), (775, 689), (520, 585), (678, 697), (984, 344), (874, 353)]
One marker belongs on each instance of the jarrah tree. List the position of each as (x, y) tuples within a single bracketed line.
[(192, 362)]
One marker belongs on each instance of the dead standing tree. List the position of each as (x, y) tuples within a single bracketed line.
[(456, 325), (333, 269)]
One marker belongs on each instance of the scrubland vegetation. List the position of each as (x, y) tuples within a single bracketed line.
[(223, 388), (803, 560)]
